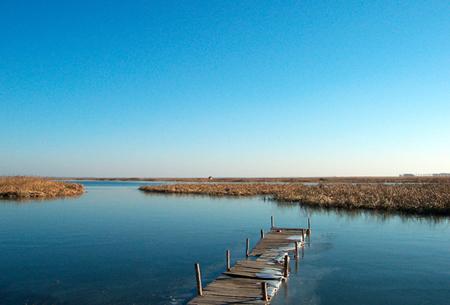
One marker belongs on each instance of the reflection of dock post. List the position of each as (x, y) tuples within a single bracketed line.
[(308, 231), (247, 248), (264, 291), (286, 266), (199, 279), (228, 260), (296, 250), (272, 222)]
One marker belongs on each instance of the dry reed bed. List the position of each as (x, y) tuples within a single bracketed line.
[(20, 187), (414, 198), (414, 179)]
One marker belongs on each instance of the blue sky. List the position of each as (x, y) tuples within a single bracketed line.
[(224, 88)]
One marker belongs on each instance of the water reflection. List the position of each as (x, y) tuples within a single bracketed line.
[(380, 215), (24, 201), (305, 210)]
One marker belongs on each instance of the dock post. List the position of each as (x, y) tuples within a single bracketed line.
[(308, 232), (272, 222), (264, 291), (262, 234), (247, 248), (286, 266), (228, 260), (296, 250), (199, 279)]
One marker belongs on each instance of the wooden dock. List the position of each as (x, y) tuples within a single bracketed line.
[(254, 280)]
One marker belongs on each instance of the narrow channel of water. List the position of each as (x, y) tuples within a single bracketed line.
[(116, 245)]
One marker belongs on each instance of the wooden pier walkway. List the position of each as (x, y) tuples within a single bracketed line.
[(254, 280)]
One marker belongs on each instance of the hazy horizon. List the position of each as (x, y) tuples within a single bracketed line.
[(258, 177), (232, 89)]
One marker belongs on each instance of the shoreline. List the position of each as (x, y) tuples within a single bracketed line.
[(349, 179), (21, 187), (424, 199)]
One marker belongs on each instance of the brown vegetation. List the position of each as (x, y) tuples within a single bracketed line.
[(416, 198), (360, 179), (19, 187)]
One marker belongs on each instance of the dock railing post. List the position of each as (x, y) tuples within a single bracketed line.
[(272, 222), (199, 279), (262, 233), (264, 291), (228, 255), (286, 266), (247, 248)]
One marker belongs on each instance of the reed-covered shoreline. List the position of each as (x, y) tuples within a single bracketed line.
[(425, 198), (349, 179), (22, 187)]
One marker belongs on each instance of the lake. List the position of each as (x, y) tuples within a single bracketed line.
[(117, 245)]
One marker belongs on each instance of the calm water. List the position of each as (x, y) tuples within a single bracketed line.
[(116, 245)]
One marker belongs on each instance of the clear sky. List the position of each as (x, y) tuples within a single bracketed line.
[(224, 88)]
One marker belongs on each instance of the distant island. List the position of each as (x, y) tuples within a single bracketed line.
[(21, 187)]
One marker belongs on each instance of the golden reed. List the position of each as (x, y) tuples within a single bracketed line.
[(20, 187)]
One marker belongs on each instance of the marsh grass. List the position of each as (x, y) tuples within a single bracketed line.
[(22, 187), (360, 179), (423, 198)]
